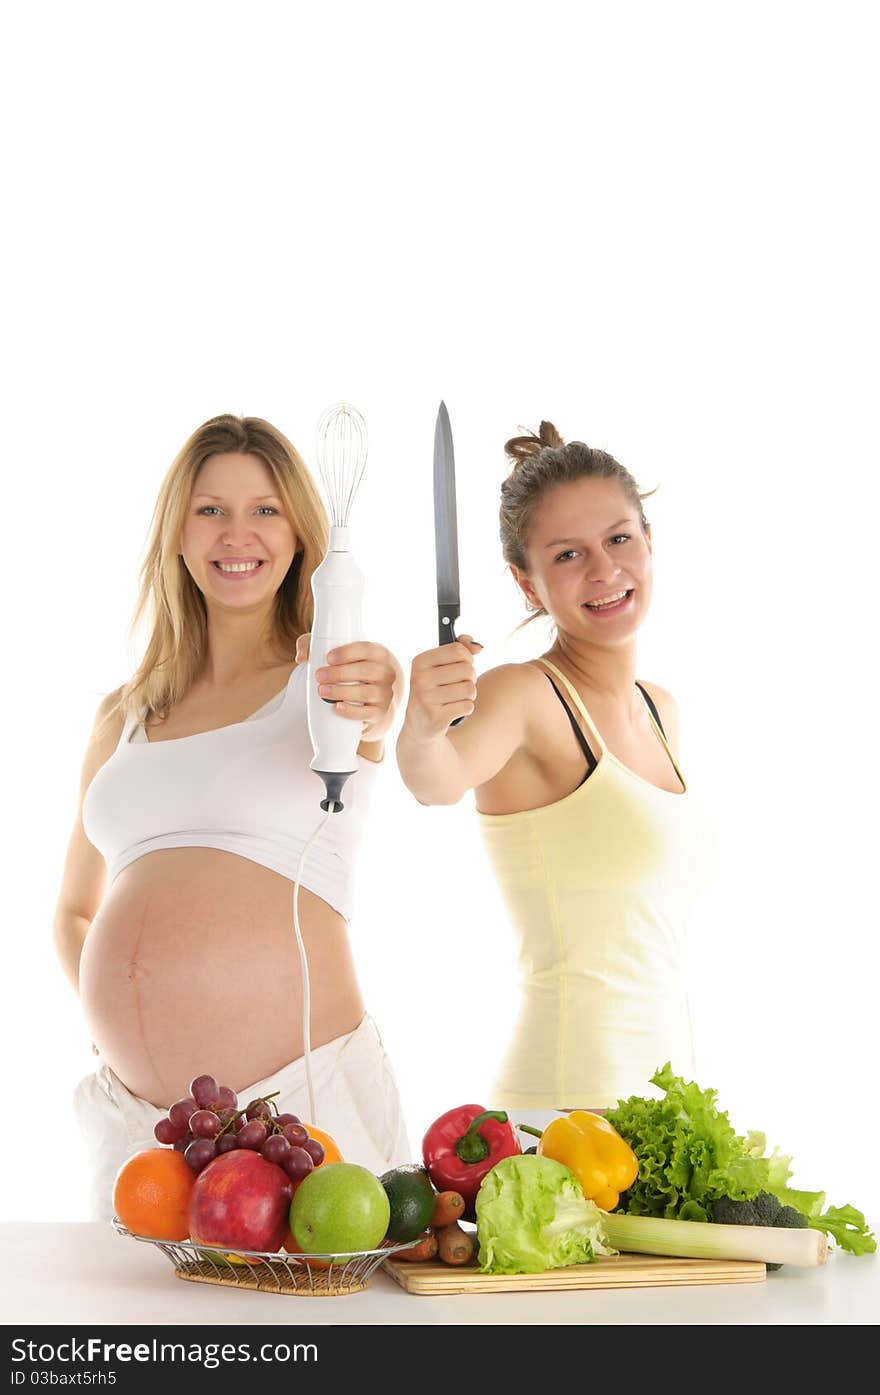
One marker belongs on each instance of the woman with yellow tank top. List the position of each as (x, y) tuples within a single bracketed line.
[(598, 845)]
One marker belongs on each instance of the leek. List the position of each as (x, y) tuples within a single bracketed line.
[(649, 1235)]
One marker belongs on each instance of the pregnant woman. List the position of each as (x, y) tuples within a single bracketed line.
[(175, 916), (597, 844)]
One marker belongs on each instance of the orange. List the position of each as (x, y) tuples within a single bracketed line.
[(151, 1194), (330, 1146)]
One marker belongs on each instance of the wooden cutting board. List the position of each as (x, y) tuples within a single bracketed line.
[(625, 1271)]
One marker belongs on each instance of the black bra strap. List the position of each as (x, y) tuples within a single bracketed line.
[(650, 701), (582, 740)]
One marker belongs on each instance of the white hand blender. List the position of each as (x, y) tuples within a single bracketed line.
[(337, 589)]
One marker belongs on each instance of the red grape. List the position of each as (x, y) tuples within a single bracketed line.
[(166, 1132), (181, 1110), (315, 1150), (204, 1090), (226, 1098), (253, 1135), (226, 1115), (183, 1143), (259, 1109), (284, 1119), (226, 1142), (276, 1148), (200, 1152), (204, 1124), (296, 1134), (298, 1164)]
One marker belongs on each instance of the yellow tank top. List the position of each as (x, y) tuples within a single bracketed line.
[(599, 887)]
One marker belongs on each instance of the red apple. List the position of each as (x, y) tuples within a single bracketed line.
[(240, 1200)]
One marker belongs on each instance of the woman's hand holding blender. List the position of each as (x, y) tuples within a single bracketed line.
[(365, 682)]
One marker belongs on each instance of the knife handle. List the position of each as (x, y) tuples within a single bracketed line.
[(448, 614)]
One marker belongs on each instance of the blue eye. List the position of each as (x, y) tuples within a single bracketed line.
[(618, 539), (214, 508)]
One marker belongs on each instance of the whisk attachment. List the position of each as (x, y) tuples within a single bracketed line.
[(342, 457)]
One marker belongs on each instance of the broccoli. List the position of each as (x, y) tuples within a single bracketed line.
[(767, 1209), (794, 1219), (764, 1209)]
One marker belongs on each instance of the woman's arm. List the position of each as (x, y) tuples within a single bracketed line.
[(438, 762), (366, 683), (84, 877)]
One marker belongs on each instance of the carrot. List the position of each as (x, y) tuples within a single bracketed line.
[(425, 1249), (448, 1207), (456, 1246)]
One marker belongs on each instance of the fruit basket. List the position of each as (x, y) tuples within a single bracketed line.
[(314, 1276)]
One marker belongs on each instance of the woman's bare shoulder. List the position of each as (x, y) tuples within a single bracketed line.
[(661, 696), (511, 680), (107, 703), (106, 730), (667, 707)]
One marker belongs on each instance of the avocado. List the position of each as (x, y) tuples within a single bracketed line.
[(411, 1195)]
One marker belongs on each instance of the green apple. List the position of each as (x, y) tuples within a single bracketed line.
[(338, 1208)]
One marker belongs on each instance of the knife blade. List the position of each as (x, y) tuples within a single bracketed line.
[(445, 528), (446, 532)]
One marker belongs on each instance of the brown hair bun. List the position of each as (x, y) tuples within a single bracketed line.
[(520, 448)]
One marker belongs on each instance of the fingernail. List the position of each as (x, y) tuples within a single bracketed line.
[(322, 673), (331, 657)]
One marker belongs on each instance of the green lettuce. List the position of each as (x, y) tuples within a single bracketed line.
[(532, 1215), (690, 1155)]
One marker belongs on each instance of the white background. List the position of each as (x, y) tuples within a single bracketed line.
[(654, 225)]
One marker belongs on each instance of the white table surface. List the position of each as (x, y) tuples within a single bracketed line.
[(74, 1273)]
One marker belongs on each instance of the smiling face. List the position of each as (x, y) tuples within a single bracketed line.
[(589, 561), (237, 541)]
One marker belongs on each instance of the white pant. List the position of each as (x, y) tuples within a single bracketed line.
[(355, 1095)]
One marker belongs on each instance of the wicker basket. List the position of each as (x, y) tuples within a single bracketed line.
[(311, 1276)]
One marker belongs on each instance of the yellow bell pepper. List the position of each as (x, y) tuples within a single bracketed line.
[(600, 1159)]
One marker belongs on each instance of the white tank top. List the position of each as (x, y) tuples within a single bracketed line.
[(245, 788)]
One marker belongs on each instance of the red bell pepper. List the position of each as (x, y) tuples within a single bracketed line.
[(463, 1145)]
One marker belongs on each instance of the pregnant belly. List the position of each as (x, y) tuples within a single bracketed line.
[(192, 965)]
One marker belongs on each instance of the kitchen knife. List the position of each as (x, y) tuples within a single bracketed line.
[(445, 528), (445, 532)]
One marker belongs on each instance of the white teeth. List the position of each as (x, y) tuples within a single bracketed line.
[(606, 601), (238, 566)]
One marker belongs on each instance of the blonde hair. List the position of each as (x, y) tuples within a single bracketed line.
[(541, 460), (171, 600)]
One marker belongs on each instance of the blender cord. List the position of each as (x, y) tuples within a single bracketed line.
[(306, 995)]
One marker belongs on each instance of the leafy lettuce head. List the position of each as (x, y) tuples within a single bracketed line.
[(532, 1215)]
